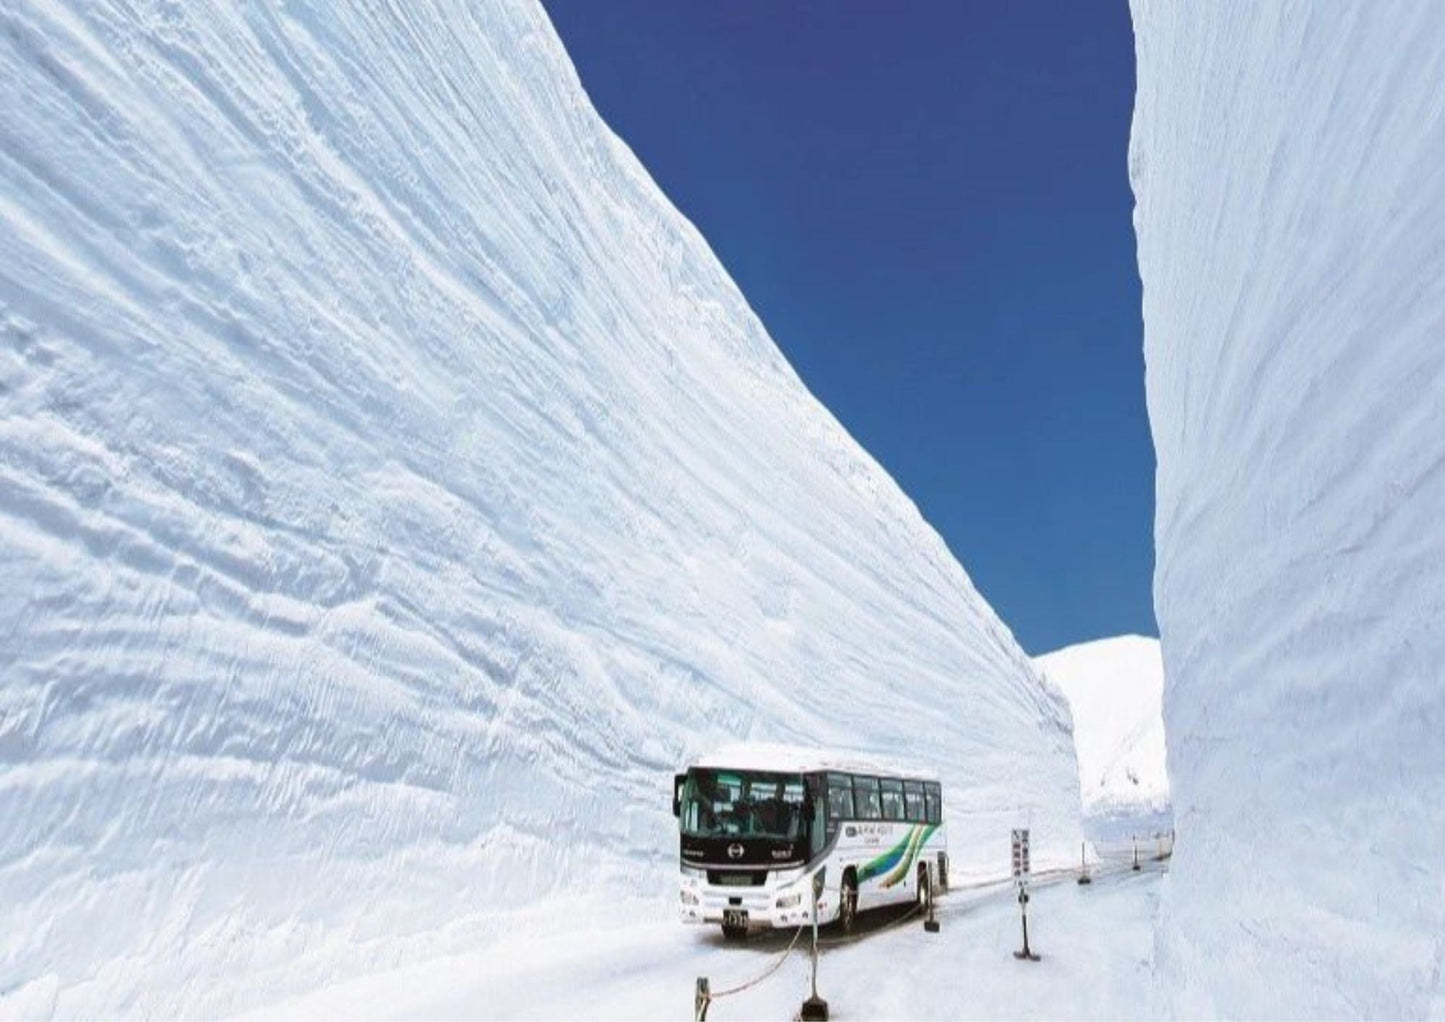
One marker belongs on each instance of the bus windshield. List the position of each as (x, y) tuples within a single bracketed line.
[(743, 803)]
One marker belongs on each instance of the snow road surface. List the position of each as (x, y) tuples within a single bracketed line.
[(1096, 943)]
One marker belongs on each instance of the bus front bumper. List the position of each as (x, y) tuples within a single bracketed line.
[(775, 907)]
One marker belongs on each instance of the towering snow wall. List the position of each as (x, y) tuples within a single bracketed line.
[(394, 489), (1114, 688), (1289, 169)]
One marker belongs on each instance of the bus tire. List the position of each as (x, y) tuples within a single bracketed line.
[(925, 888), (942, 871), (848, 902)]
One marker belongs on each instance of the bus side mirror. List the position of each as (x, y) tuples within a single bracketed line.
[(677, 782)]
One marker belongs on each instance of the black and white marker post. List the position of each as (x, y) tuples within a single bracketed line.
[(701, 999), (815, 1009), (1021, 877)]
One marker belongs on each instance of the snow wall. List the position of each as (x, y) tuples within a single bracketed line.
[(1288, 163), (1114, 688), (394, 492)]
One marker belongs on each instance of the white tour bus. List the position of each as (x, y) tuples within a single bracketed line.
[(758, 821)]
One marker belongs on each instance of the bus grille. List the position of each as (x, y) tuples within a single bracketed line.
[(737, 878)]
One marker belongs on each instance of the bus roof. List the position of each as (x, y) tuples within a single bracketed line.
[(794, 759)]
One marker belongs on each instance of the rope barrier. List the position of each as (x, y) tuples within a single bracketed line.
[(1043, 877), (851, 937), (768, 972), (705, 996)]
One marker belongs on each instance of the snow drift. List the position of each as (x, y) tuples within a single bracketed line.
[(394, 490), (1289, 170), (1114, 688)]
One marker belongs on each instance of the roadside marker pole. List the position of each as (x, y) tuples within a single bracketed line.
[(1084, 877), (1020, 861), (701, 1000), (815, 1009), (1025, 955), (1136, 853)]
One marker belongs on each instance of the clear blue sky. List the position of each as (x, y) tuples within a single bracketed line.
[(928, 205)]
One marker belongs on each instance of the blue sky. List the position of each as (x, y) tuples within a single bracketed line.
[(928, 205)]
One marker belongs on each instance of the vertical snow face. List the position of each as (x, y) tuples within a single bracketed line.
[(1115, 689), (394, 490), (1289, 170)]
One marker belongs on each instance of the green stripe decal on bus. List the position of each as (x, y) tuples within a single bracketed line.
[(920, 838), (898, 860), (903, 867), (886, 861)]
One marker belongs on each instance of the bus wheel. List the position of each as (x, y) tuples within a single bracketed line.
[(925, 889), (734, 932), (848, 903)]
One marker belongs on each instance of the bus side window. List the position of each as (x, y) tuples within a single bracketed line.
[(840, 799), (865, 798), (892, 799), (930, 803), (913, 802), (934, 793)]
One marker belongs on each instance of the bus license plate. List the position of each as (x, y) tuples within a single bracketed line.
[(735, 917)]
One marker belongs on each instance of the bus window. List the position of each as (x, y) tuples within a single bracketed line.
[(913, 802), (820, 827), (892, 799), (930, 806), (728, 803), (865, 798), (934, 795), (840, 798), (782, 812)]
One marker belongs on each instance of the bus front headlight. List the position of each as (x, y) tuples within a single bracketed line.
[(688, 898), (791, 900)]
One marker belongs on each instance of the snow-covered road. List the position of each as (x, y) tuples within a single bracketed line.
[(1097, 946)]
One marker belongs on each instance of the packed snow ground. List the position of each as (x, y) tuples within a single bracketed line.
[(1115, 690), (394, 491), (1096, 943), (1289, 168)]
